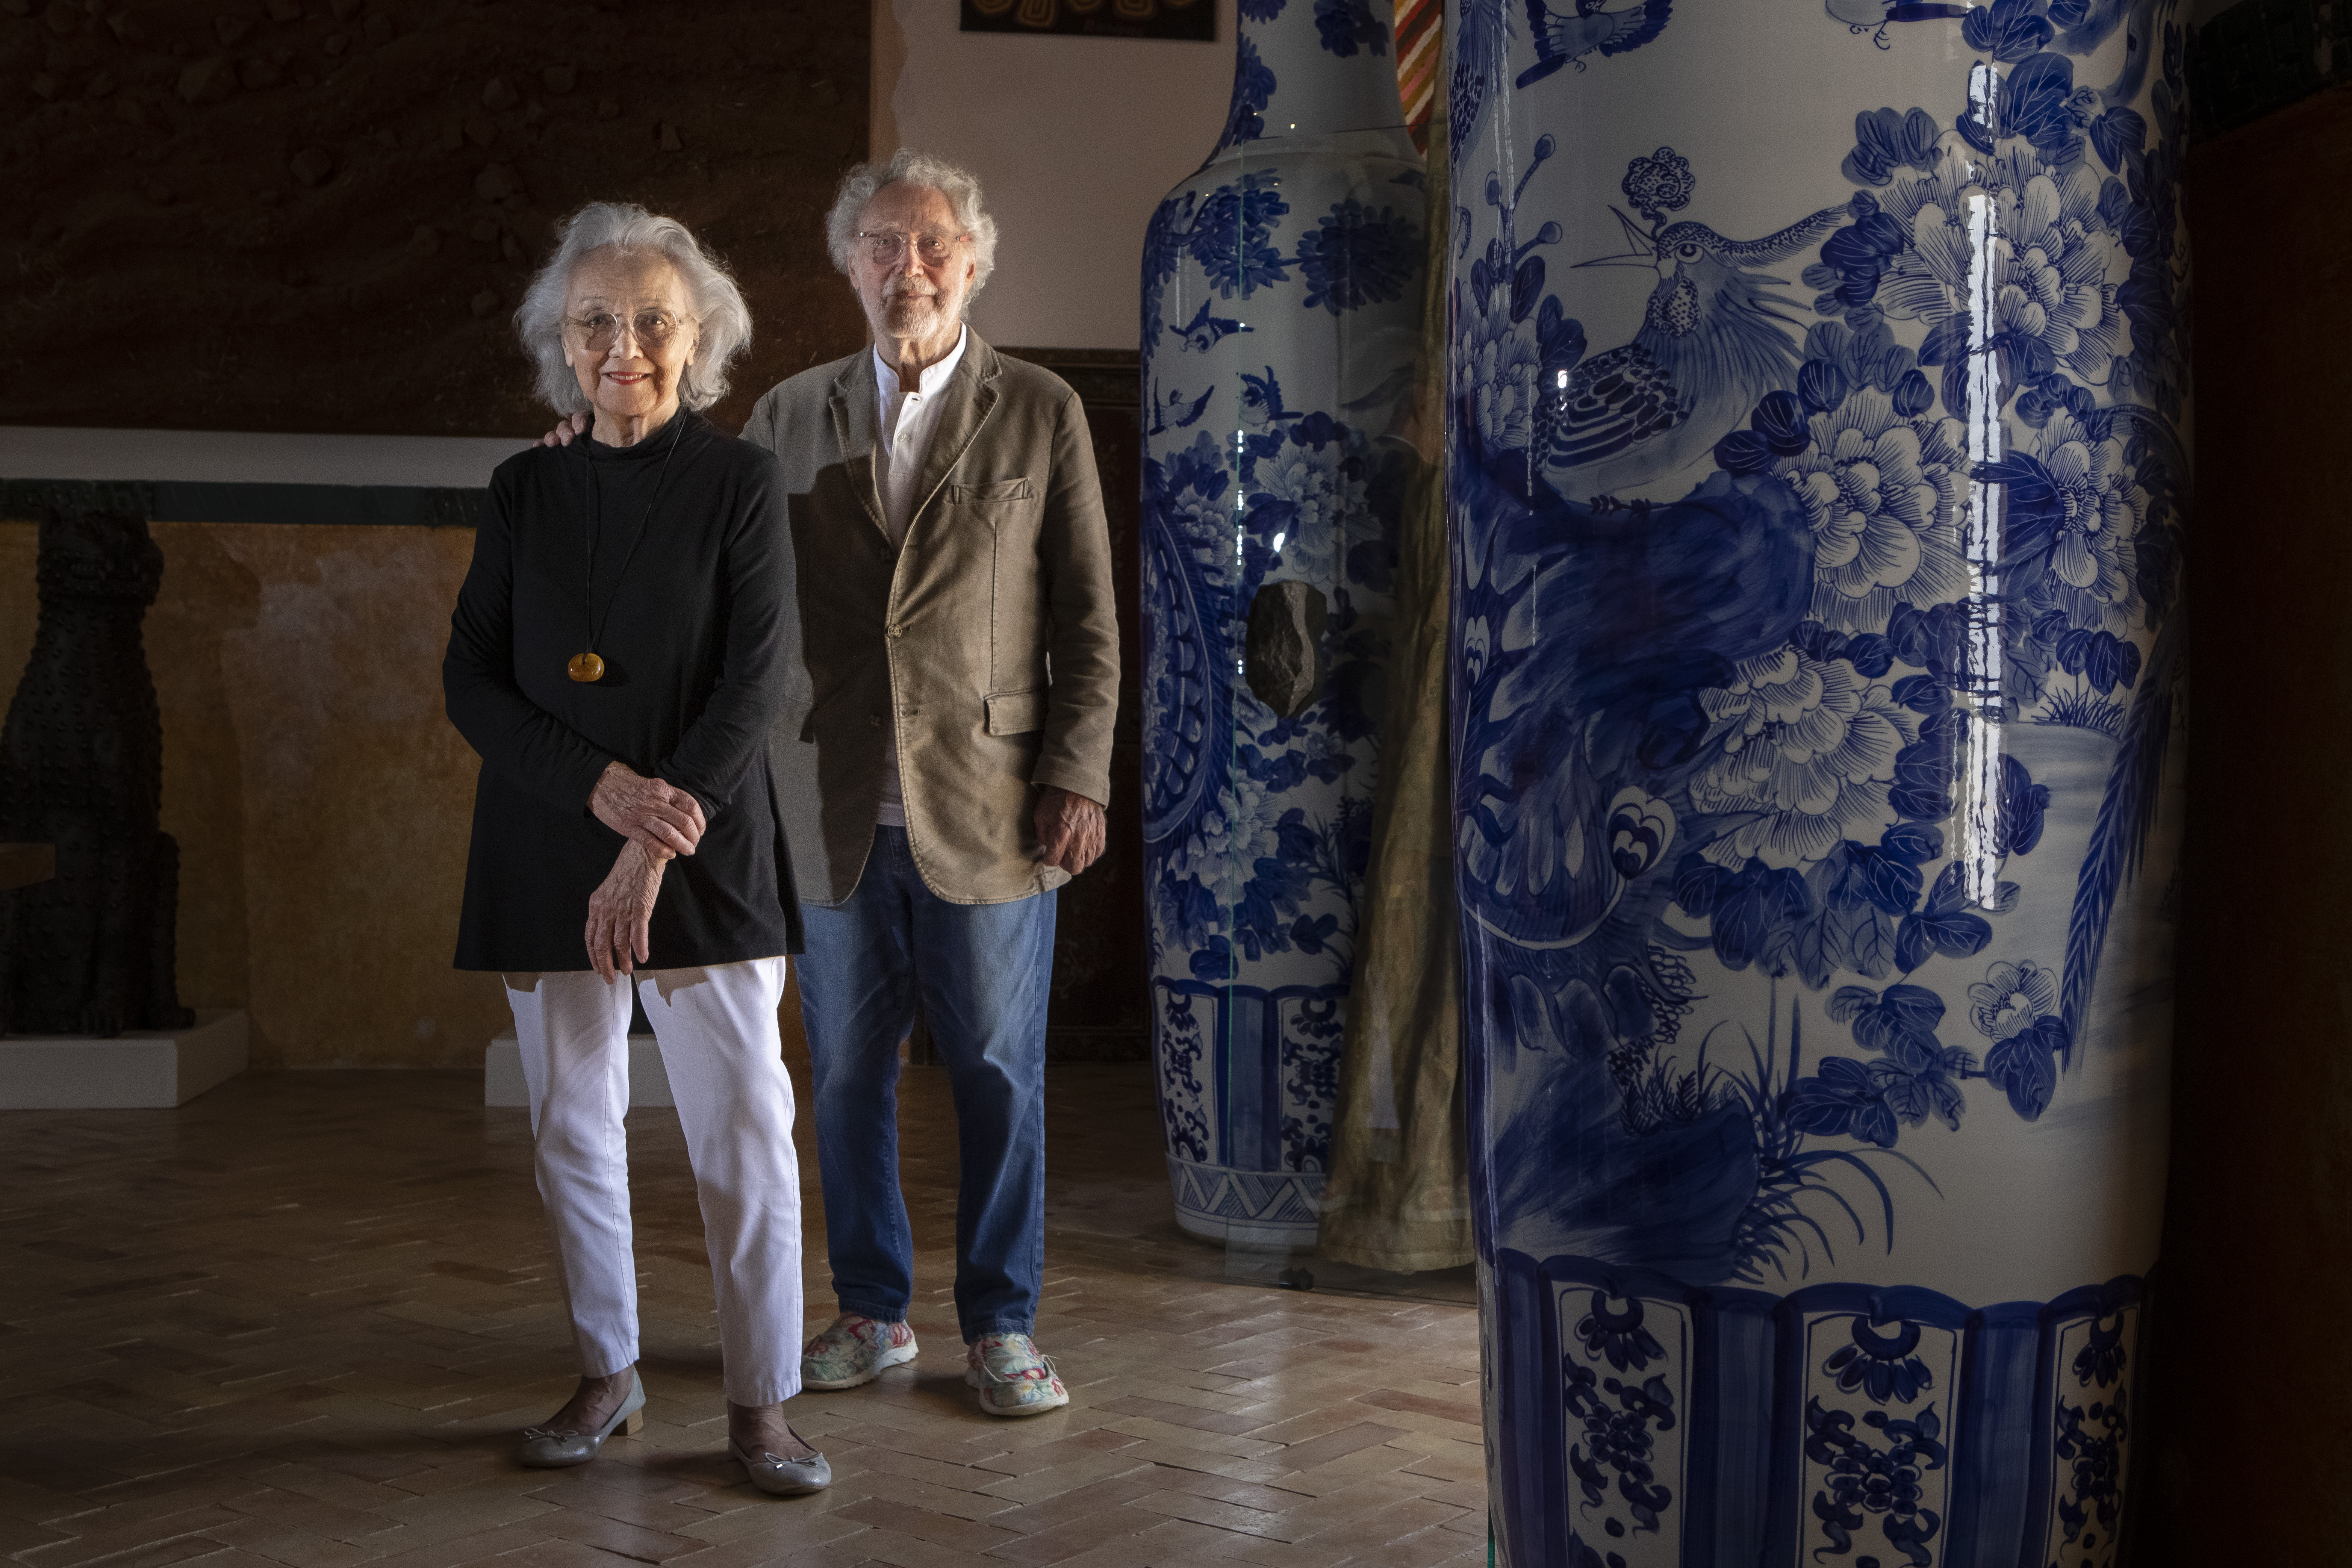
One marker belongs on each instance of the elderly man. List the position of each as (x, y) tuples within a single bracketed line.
[(942, 760)]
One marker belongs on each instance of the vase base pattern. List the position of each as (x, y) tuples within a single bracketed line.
[(1253, 1208), (1695, 1427)]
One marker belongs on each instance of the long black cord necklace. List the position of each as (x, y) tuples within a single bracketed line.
[(589, 666)]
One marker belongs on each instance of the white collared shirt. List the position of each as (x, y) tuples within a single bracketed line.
[(907, 420)]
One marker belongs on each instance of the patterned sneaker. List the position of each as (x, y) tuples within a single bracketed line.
[(1012, 1377), (854, 1349)]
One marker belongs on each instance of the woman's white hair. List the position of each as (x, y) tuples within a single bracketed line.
[(712, 298), (909, 167)]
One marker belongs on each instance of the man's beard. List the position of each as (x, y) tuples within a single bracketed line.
[(905, 309)]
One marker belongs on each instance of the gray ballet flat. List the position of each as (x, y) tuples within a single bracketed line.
[(555, 1448), (783, 1478)]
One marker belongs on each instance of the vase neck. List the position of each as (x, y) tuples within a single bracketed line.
[(1312, 68)]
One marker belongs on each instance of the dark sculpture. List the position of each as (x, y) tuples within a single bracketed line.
[(81, 767)]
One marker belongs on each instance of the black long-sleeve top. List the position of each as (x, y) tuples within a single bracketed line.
[(701, 618)]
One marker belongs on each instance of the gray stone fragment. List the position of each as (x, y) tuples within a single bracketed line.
[(1284, 663)]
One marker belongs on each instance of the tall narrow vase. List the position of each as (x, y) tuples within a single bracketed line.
[(1281, 300), (1818, 490)]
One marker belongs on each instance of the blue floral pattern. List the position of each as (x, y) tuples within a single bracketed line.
[(1816, 664), (1261, 273), (2093, 1435), (1359, 255), (1626, 1382), (1230, 236), (1253, 88), (1347, 26), (1875, 1476), (1241, 865), (1896, 1413), (1622, 1421), (1803, 742)]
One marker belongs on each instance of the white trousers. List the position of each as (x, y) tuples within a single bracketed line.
[(717, 1028)]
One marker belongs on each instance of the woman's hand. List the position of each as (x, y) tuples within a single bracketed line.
[(568, 426), (1070, 829), (621, 911), (647, 811)]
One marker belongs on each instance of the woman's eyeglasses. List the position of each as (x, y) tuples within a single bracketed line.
[(599, 330), (885, 246)]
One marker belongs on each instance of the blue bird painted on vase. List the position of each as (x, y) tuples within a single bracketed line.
[(1563, 40), (1873, 16), (1204, 332), (1481, 47), (1262, 401), (1713, 342), (1188, 411)]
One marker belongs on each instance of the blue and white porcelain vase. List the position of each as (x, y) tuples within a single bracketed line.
[(1817, 488), (1281, 308)]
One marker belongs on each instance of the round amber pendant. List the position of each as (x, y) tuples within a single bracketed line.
[(585, 667)]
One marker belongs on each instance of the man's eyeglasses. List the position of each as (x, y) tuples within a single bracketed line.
[(599, 330), (884, 247)]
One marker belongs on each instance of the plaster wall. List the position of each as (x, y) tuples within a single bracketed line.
[(1075, 139)]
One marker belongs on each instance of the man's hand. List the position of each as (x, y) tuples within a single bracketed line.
[(568, 426), (620, 914), (647, 811), (1070, 828)]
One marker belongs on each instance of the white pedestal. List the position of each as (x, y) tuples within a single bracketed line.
[(502, 1079), (145, 1068)]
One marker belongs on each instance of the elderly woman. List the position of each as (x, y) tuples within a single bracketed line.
[(619, 650)]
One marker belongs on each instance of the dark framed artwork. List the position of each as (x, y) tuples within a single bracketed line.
[(1195, 20)]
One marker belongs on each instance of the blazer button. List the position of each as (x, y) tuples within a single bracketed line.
[(874, 720)]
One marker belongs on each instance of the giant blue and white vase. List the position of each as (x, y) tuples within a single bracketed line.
[(1281, 307), (1818, 492)]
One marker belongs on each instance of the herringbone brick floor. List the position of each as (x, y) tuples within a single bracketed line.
[(300, 1320)]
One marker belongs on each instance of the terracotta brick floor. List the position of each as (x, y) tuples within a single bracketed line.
[(300, 1320)]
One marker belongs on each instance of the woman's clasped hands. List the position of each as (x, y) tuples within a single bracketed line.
[(659, 821)]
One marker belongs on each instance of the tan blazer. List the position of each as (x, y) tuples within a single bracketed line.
[(988, 644)]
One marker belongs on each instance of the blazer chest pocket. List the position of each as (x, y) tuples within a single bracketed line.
[(994, 491), (1016, 712)]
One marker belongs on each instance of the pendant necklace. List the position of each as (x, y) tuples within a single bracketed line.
[(589, 666)]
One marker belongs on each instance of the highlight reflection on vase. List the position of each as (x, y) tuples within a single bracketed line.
[(1281, 307), (1818, 491)]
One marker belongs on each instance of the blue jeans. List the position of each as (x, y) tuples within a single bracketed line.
[(983, 971)]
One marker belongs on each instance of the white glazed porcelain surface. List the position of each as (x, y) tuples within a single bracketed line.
[(1818, 489), (1281, 310)]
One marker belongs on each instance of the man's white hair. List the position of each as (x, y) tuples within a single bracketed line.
[(909, 167), (712, 298)]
